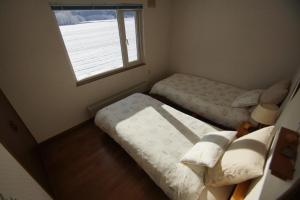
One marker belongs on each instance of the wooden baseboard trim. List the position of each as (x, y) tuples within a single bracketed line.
[(64, 133)]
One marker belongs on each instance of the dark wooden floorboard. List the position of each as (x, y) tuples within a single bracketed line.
[(87, 164)]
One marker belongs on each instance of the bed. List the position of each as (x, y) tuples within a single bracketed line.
[(207, 98), (156, 136)]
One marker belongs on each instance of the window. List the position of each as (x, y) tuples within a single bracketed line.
[(101, 40)]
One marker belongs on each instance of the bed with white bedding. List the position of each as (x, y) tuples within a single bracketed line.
[(157, 136), (207, 98)]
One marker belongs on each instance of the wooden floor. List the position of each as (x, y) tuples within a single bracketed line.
[(87, 164)]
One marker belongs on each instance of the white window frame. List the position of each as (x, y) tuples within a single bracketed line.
[(124, 50), (139, 36)]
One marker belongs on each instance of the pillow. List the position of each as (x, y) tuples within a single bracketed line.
[(276, 93), (244, 159), (246, 99), (209, 150)]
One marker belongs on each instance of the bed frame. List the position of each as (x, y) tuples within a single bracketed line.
[(240, 191)]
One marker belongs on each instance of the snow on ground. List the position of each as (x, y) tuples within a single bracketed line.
[(94, 47)]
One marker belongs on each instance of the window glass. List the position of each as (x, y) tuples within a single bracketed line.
[(131, 35), (100, 38), (92, 40)]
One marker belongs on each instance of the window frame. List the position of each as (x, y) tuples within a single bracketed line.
[(122, 36), (139, 41)]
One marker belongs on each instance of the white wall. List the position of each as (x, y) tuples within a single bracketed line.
[(249, 43), (36, 74), (245, 43), (15, 182), (290, 118), (269, 186)]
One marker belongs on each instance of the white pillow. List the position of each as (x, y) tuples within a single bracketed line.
[(246, 99), (243, 160), (276, 93), (208, 151)]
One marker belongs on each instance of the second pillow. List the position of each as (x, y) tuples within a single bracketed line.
[(208, 151)]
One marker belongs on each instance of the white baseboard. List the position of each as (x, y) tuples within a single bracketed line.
[(141, 87)]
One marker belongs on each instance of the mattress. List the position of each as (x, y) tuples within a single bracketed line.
[(156, 136), (207, 98)]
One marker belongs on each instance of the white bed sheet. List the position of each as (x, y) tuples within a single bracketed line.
[(157, 136), (207, 98)]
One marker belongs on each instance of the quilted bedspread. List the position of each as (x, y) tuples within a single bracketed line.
[(157, 136), (207, 98)]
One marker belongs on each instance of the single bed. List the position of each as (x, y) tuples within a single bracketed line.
[(207, 98), (157, 136)]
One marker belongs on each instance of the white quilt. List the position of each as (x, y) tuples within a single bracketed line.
[(209, 99), (157, 136)]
